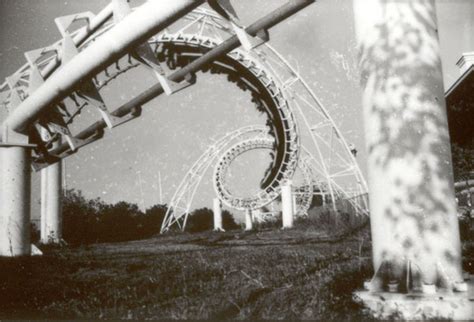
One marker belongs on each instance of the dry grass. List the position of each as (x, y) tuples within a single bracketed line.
[(269, 274)]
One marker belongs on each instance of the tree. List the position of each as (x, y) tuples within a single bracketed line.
[(200, 220), (152, 220), (203, 219), (80, 217), (91, 221), (228, 221)]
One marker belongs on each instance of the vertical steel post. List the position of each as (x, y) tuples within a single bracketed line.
[(15, 189), (51, 204), (287, 204), (248, 219), (217, 214), (412, 205), (44, 190)]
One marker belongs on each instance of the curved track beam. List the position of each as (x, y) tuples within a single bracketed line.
[(180, 205), (263, 197), (304, 196)]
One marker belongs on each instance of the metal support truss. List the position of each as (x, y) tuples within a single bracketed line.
[(180, 205)]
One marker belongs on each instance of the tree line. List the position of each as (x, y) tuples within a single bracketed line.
[(87, 221)]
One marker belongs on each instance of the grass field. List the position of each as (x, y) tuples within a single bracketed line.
[(269, 274)]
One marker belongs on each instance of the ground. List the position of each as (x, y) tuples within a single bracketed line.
[(309, 272), (267, 274)]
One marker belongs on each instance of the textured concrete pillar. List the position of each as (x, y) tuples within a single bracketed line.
[(287, 205), (412, 204), (15, 189), (51, 204), (217, 207), (248, 219)]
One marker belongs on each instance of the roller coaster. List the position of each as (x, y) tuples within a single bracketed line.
[(174, 41), (220, 153)]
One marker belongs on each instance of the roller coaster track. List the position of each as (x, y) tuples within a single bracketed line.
[(264, 197), (200, 41), (180, 205), (178, 50)]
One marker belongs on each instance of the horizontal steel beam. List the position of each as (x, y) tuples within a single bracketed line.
[(227, 46), (134, 29)]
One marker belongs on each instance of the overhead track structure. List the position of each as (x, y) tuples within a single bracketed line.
[(44, 98), (190, 51), (174, 40)]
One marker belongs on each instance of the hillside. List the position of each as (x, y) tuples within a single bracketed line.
[(270, 274)]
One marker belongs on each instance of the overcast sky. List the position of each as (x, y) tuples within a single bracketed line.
[(174, 131)]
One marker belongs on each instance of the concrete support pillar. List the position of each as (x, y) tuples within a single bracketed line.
[(412, 204), (51, 204), (248, 219), (287, 205), (15, 190), (217, 207)]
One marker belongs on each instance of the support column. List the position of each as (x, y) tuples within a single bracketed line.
[(295, 204), (412, 206), (287, 204), (51, 204), (248, 219), (15, 189), (217, 207)]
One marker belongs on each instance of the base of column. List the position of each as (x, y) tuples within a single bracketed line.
[(52, 241), (35, 251), (443, 304)]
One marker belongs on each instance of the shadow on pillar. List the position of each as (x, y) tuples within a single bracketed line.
[(414, 224), (51, 204), (15, 199)]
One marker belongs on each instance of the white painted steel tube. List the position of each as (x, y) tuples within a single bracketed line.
[(43, 230), (287, 205), (412, 205), (134, 29), (248, 219), (217, 214), (15, 188)]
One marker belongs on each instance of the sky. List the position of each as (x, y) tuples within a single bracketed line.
[(174, 130)]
